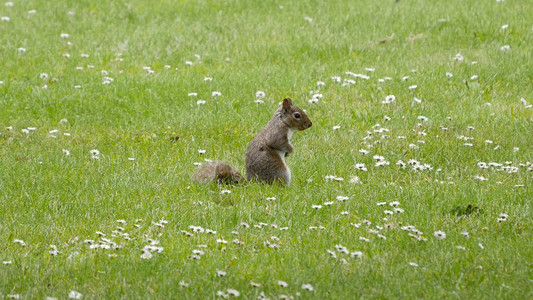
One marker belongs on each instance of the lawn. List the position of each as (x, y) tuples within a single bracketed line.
[(415, 180)]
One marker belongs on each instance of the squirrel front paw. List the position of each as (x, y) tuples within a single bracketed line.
[(287, 154)]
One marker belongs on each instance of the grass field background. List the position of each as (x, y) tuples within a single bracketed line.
[(126, 78)]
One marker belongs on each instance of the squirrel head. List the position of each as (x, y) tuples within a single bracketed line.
[(293, 116)]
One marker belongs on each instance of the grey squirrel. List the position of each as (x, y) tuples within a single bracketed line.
[(265, 157)]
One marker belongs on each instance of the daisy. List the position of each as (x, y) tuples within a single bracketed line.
[(389, 99), (342, 198), (183, 284), (75, 295), (307, 287), (355, 179), (340, 248), (439, 234), (458, 57), (356, 254), (282, 283), (361, 167), (21, 242)]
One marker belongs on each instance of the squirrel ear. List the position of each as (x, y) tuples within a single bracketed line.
[(287, 103)]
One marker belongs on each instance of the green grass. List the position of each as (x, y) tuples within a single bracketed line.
[(49, 198)]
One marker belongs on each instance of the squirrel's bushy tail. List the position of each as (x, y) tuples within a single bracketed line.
[(219, 172)]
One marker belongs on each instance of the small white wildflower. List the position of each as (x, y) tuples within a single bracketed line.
[(389, 99), (458, 57), (307, 287), (21, 242), (505, 48), (342, 198), (364, 151), (233, 292), (183, 284), (355, 179), (220, 273), (222, 192), (480, 178), (361, 167), (413, 264), (282, 283), (439, 234), (474, 77), (222, 294), (216, 94), (75, 295), (356, 254), (448, 74), (64, 35), (336, 127)]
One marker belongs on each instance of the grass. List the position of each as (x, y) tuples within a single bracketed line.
[(49, 198)]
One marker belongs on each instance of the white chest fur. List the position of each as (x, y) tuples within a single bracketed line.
[(289, 134), (287, 174)]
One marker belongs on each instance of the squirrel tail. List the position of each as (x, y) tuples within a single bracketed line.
[(220, 172)]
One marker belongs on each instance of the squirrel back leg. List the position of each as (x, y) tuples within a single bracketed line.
[(268, 167)]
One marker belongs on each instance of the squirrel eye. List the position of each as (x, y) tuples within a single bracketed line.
[(297, 115)]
